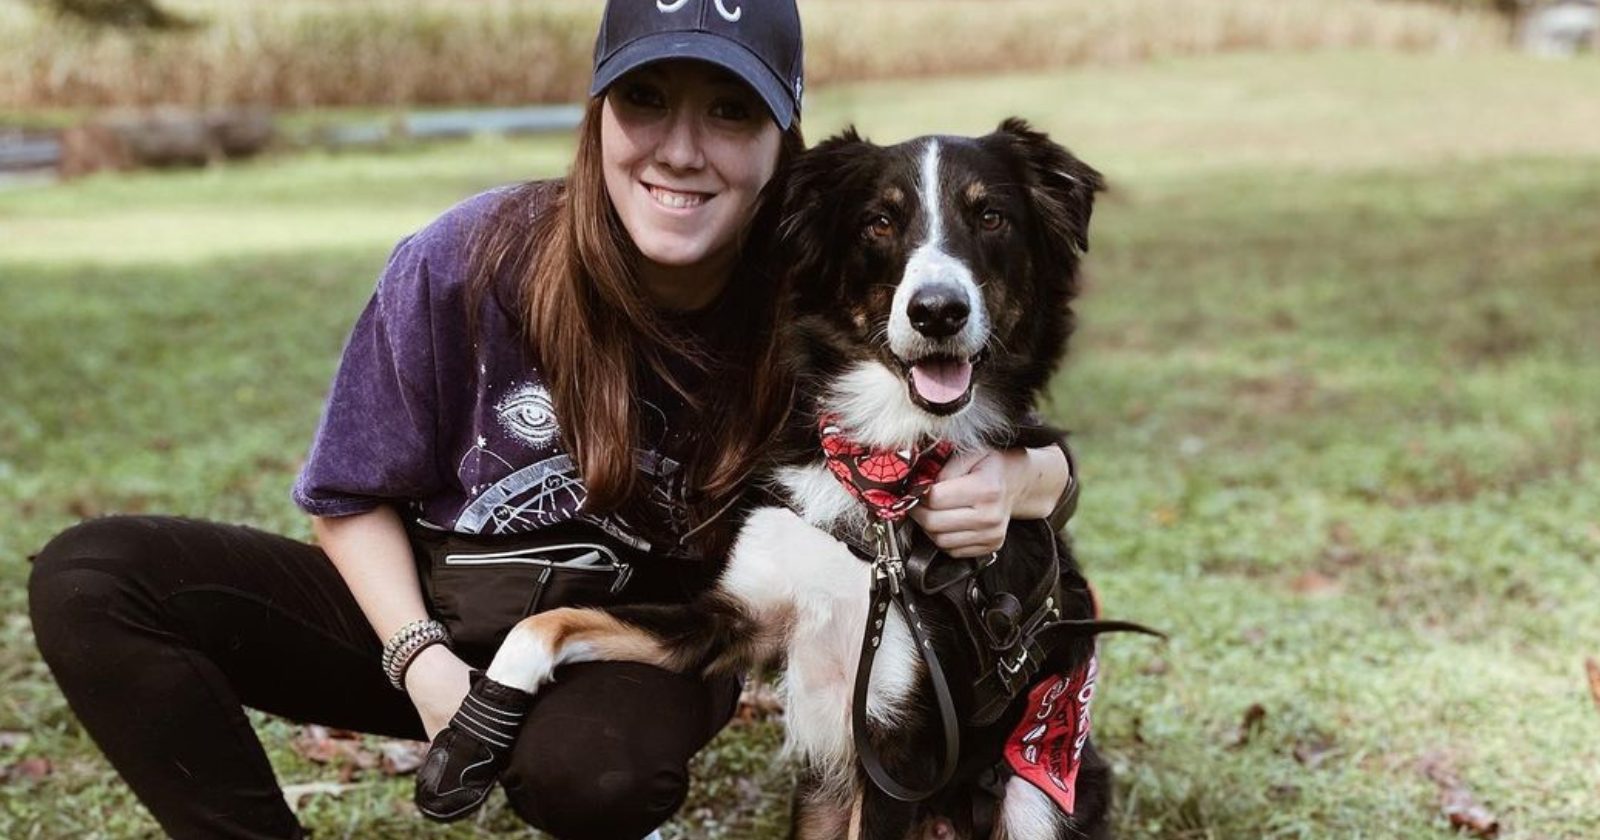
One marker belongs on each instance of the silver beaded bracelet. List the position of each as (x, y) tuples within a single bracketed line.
[(406, 643)]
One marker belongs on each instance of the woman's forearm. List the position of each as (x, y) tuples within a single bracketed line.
[(1042, 475), (372, 554)]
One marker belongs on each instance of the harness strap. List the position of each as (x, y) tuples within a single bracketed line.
[(887, 588)]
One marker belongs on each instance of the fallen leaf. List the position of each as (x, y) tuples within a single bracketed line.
[(1155, 667), (1465, 814), (1315, 583), (1253, 718), (296, 795), (28, 769), (1253, 635), (1593, 669), (1164, 516), (399, 758), (340, 747), (759, 701), (1283, 792), (1313, 751), (1455, 801)]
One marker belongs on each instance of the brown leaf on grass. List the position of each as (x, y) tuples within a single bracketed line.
[(1592, 668), (1254, 717), (28, 769), (1314, 584), (399, 758), (1455, 801), (1312, 751), (1465, 814), (296, 795), (759, 701), (334, 746), (1155, 667)]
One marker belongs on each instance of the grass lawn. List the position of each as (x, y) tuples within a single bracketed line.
[(1336, 399)]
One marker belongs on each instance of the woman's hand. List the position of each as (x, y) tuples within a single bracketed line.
[(437, 682), (978, 494)]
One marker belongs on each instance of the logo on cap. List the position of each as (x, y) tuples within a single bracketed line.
[(731, 17), (669, 8)]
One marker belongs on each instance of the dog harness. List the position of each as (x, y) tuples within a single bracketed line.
[(1013, 639)]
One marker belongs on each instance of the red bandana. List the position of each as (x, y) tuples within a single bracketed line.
[(887, 482), (1046, 748)]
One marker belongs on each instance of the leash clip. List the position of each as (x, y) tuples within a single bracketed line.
[(888, 565)]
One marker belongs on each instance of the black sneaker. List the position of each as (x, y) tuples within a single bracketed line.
[(468, 755)]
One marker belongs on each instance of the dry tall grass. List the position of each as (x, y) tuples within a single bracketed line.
[(297, 53)]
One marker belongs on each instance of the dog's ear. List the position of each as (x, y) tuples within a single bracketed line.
[(1061, 186), (815, 192)]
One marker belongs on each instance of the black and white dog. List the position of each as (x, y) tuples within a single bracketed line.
[(932, 283)]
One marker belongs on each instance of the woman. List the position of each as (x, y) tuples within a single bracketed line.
[(628, 302)]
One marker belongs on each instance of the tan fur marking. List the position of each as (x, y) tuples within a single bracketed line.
[(894, 195), (976, 191), (609, 638)]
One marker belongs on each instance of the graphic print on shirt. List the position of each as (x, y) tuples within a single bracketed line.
[(529, 415), (551, 489)]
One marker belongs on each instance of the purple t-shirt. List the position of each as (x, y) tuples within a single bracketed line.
[(463, 435)]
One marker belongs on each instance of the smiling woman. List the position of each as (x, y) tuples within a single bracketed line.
[(687, 148), (555, 388)]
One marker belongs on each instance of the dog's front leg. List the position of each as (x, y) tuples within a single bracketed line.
[(468, 755), (715, 632)]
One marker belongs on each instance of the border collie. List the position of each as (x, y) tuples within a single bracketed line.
[(932, 283)]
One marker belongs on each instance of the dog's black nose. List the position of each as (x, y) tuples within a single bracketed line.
[(938, 311)]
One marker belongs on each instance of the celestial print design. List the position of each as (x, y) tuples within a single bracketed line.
[(528, 414), (551, 489)]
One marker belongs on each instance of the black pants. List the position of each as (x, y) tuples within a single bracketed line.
[(160, 629)]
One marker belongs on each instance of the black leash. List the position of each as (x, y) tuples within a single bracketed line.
[(888, 585)]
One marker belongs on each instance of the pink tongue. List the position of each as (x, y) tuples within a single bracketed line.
[(941, 381)]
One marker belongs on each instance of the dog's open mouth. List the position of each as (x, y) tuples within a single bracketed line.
[(941, 384)]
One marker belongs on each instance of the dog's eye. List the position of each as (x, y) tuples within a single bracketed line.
[(880, 227), (992, 220)]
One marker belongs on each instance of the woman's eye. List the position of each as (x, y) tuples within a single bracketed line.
[(642, 95), (992, 220), (880, 227), (732, 110)]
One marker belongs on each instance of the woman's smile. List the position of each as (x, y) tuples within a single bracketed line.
[(678, 200)]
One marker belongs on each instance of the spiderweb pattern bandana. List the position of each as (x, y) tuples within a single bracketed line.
[(889, 482)]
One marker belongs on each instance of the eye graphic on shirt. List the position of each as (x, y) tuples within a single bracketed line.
[(528, 415)]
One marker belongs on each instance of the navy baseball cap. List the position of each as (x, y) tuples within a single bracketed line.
[(756, 40)]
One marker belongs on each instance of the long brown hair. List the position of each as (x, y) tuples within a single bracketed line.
[(585, 317)]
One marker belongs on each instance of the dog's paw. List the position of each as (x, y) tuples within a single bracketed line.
[(456, 776), (468, 755)]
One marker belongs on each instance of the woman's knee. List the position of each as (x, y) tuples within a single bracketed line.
[(577, 795), (80, 579)]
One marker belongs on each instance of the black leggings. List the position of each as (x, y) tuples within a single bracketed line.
[(160, 629)]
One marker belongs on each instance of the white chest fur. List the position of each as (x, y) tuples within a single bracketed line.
[(791, 573)]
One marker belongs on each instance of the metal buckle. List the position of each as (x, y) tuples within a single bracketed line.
[(888, 564)]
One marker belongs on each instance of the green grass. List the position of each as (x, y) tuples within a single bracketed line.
[(1343, 318)]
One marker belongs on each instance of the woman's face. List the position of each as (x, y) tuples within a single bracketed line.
[(686, 148)]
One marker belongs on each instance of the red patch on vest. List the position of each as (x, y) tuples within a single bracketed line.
[(1046, 748)]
